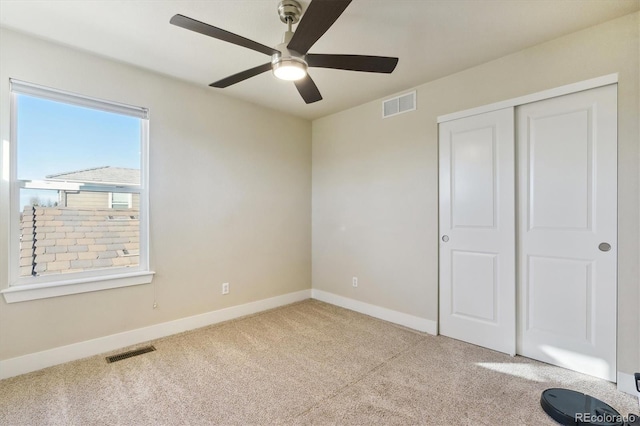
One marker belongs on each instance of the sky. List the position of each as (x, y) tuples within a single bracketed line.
[(54, 137)]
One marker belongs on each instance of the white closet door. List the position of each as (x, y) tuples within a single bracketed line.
[(477, 247), (567, 231)]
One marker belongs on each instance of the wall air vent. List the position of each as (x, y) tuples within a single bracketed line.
[(129, 354), (399, 104)]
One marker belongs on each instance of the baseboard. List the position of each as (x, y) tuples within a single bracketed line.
[(39, 360), (627, 384), (411, 321)]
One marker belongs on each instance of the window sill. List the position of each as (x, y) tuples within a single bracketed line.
[(23, 293)]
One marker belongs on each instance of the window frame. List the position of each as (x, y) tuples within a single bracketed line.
[(45, 286)]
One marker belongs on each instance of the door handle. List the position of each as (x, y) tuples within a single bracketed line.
[(604, 246), (445, 238)]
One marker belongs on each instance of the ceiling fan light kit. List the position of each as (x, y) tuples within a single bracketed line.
[(288, 64), (291, 69), (290, 59)]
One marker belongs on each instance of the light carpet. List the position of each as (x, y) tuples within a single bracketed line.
[(306, 363)]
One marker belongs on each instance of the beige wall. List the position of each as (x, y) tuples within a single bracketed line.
[(375, 198), (375, 180), (230, 200)]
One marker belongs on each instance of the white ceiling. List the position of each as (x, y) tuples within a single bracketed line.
[(432, 38)]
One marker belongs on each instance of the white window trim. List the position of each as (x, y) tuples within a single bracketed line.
[(33, 288), (25, 292)]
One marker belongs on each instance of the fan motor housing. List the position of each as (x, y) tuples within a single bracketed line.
[(286, 53), (289, 11)]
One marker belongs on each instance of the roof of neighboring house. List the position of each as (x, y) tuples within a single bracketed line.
[(56, 240), (105, 174)]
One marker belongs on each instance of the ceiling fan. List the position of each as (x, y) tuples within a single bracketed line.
[(290, 59)]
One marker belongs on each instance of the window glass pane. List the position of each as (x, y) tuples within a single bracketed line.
[(120, 198), (70, 159), (38, 197), (57, 240), (68, 142)]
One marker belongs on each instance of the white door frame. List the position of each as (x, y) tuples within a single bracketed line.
[(534, 97)]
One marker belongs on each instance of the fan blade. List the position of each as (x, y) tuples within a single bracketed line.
[(220, 34), (308, 90), (382, 64), (320, 15), (237, 78)]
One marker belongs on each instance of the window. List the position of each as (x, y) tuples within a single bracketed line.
[(78, 194), (118, 200)]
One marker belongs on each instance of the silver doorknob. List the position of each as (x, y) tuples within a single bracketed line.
[(604, 246), (445, 238)]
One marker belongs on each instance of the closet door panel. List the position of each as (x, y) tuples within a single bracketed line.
[(567, 167), (477, 246)]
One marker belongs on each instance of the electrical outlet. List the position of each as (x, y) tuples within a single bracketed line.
[(225, 288), (355, 281)]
